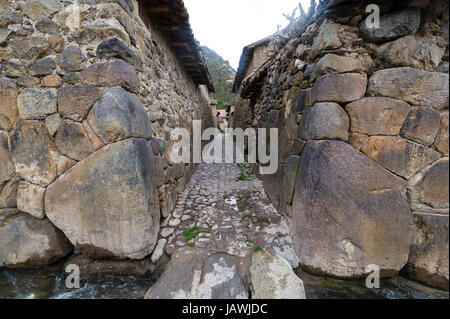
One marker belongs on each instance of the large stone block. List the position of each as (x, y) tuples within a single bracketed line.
[(36, 104), (341, 88), (377, 115), (433, 188), (71, 59), (37, 9), (428, 257), (73, 141), (43, 66), (114, 48), (34, 153), (290, 174), (30, 48), (327, 39), (348, 212), (30, 199), (119, 115), (8, 104), (107, 205), (7, 169), (27, 242), (400, 156), (442, 139), (115, 73), (414, 86), (325, 121), (75, 101), (392, 26), (332, 63), (422, 125)]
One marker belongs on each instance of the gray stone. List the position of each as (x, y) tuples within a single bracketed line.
[(392, 26), (7, 169), (37, 9), (53, 121), (442, 139), (71, 59), (422, 125), (192, 274), (428, 258), (325, 121), (298, 146), (327, 39), (73, 141), (7, 17), (434, 186), (30, 199), (27, 242), (344, 88), (411, 85), (46, 25), (8, 104), (115, 73), (301, 101), (159, 250), (36, 104), (273, 278), (119, 115), (377, 115), (400, 156), (348, 213), (75, 101), (5, 35), (8, 193), (114, 48), (34, 153), (30, 48), (100, 221), (332, 63), (291, 169), (42, 67)]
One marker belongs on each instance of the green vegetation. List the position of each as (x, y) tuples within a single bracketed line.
[(257, 248), (246, 172), (222, 75), (191, 233)]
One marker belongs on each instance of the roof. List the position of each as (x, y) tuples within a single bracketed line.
[(172, 18), (246, 57)]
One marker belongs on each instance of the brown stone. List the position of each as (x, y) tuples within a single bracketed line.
[(43, 66), (57, 43), (71, 59), (169, 198), (422, 125), (29, 49), (75, 101), (28, 242), (327, 39), (377, 115), (442, 139), (34, 153), (51, 81), (414, 86), (8, 104), (400, 156), (428, 257), (96, 142), (348, 212), (30, 199), (38, 9), (36, 103), (357, 140), (332, 63), (7, 169), (347, 87), (434, 186), (73, 141), (13, 68), (8, 193), (115, 73), (27, 81)]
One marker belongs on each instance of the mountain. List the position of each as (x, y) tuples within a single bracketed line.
[(222, 75)]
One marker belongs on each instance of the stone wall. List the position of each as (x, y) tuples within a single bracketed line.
[(89, 95), (363, 146)]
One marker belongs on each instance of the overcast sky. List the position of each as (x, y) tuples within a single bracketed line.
[(227, 26)]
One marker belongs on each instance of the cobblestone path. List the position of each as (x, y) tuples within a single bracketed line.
[(224, 209)]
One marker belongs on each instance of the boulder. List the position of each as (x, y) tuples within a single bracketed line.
[(290, 173), (428, 257), (400, 156), (46, 25), (37, 9), (29, 48), (27, 242), (272, 277), (42, 67), (119, 115), (332, 63), (392, 26), (8, 104), (114, 48), (414, 86), (30, 199), (192, 274), (442, 139), (114, 73), (75, 101), (51, 81), (73, 141), (325, 121), (422, 125), (327, 39), (34, 153), (377, 115), (36, 104), (7, 169), (341, 88), (348, 212), (97, 218)]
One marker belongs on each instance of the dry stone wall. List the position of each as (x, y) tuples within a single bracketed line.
[(363, 146), (88, 98)]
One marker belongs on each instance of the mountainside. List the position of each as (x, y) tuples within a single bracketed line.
[(222, 75)]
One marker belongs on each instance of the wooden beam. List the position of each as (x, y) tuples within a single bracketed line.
[(158, 9)]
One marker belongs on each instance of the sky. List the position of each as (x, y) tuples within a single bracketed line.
[(227, 26)]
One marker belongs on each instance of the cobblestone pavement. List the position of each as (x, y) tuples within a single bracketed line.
[(224, 209)]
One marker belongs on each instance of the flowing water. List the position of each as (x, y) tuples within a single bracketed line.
[(49, 283)]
